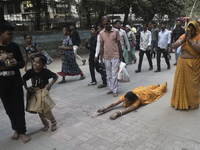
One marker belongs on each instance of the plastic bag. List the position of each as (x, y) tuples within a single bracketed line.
[(123, 75), (49, 59)]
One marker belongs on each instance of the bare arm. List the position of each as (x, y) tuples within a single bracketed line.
[(120, 113), (195, 45), (120, 51), (178, 43), (26, 61), (101, 53), (66, 48), (48, 86), (113, 104)]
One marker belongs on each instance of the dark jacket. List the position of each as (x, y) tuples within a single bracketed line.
[(93, 44), (75, 38)]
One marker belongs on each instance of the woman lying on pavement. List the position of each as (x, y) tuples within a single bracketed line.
[(135, 98)]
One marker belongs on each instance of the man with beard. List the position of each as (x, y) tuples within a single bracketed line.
[(177, 32)]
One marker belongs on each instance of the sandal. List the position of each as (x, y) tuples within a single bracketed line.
[(82, 77)]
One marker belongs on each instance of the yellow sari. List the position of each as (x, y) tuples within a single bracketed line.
[(186, 87), (146, 95)]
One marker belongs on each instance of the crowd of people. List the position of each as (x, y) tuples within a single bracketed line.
[(109, 45)]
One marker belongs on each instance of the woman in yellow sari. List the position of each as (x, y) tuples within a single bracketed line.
[(135, 98), (186, 88)]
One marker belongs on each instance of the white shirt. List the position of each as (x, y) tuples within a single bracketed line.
[(98, 48), (124, 39), (145, 40), (164, 38)]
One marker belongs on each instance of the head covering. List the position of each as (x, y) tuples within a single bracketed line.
[(189, 47), (131, 31), (129, 27)]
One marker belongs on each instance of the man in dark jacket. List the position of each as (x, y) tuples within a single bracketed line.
[(177, 32)]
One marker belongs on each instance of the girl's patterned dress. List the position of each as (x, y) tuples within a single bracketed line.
[(31, 50), (69, 65)]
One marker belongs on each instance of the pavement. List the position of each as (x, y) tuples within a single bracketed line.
[(156, 126)]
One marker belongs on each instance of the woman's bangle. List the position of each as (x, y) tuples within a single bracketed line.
[(180, 42), (105, 108), (120, 112), (193, 44), (8, 61)]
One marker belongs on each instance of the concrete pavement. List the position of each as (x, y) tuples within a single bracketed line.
[(156, 126)]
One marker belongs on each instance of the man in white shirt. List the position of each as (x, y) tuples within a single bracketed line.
[(145, 44), (102, 69), (164, 40), (123, 37)]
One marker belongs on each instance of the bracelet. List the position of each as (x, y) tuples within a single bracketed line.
[(120, 112), (180, 42), (193, 44), (8, 61), (105, 108)]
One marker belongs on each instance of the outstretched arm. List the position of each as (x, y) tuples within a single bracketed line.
[(120, 113), (113, 104)]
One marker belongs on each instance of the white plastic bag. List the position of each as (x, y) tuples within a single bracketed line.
[(49, 59), (123, 75)]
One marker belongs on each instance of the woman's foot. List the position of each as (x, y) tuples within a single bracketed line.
[(15, 136), (82, 77), (158, 85), (25, 138), (53, 127), (45, 129), (62, 81), (191, 108)]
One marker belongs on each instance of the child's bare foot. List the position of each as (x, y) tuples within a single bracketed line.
[(45, 128), (53, 127), (25, 138), (15, 136)]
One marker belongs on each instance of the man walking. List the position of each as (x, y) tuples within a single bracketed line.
[(145, 43), (76, 41), (164, 40), (177, 32), (111, 51), (154, 38), (102, 69), (123, 37)]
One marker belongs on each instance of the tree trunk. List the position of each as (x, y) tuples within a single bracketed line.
[(88, 19), (37, 14), (126, 11), (2, 11)]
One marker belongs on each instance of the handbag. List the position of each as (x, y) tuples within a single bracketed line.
[(123, 75), (49, 59), (133, 43)]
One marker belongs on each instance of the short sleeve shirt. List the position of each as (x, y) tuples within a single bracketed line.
[(40, 79), (110, 39), (31, 50)]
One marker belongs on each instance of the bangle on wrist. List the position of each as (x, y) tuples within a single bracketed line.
[(8, 61), (180, 42), (193, 44), (105, 108), (120, 112)]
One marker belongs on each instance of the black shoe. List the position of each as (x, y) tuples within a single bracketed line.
[(168, 67), (137, 71), (151, 68), (175, 64), (157, 70)]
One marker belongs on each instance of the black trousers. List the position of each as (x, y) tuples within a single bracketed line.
[(159, 51), (101, 70), (13, 102), (141, 54)]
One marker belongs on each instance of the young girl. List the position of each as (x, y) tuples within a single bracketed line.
[(69, 65), (30, 50), (40, 80)]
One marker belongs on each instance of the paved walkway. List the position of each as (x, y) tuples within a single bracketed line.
[(156, 126)]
